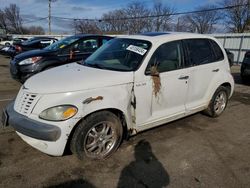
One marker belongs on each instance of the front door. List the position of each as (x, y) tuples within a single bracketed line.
[(162, 94)]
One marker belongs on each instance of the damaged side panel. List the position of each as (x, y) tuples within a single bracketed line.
[(120, 97)]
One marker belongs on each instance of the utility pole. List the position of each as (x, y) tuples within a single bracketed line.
[(49, 17), (50, 14)]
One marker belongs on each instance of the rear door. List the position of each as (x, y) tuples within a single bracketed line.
[(205, 60)]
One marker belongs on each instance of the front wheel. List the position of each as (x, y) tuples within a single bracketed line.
[(218, 102), (98, 136)]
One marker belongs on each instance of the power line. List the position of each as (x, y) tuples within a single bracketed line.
[(155, 16), (36, 20), (142, 17)]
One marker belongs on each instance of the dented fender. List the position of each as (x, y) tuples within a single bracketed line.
[(117, 97)]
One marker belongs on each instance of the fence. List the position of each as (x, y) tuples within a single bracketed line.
[(238, 44)]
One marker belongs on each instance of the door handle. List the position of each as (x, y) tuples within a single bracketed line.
[(183, 77), (216, 70)]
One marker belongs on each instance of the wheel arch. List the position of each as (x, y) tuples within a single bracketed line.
[(228, 86), (120, 114)]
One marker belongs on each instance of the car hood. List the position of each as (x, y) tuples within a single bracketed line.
[(75, 77), (33, 53)]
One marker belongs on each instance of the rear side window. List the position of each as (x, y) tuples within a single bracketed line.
[(199, 51), (217, 51)]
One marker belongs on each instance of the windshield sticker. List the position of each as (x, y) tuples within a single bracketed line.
[(136, 49), (62, 46)]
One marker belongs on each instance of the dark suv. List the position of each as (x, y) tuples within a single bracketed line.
[(67, 50), (245, 67)]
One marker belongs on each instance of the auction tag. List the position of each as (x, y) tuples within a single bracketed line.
[(136, 49)]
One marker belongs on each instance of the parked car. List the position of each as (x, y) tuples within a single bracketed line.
[(245, 67), (33, 43), (9, 47), (130, 84), (5, 39), (15, 41), (67, 50), (9, 51), (230, 56)]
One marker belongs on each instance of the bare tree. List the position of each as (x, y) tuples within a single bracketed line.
[(35, 30), (13, 18), (137, 17), (203, 21), (86, 26), (163, 22), (237, 19), (115, 21), (3, 22), (183, 25)]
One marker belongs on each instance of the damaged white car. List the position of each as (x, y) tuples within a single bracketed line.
[(130, 84)]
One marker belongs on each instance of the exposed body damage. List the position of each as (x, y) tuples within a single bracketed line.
[(114, 92), (91, 99), (155, 75)]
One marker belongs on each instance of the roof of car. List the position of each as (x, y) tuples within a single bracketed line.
[(87, 35), (165, 36)]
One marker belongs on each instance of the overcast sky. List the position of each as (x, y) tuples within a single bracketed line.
[(31, 10)]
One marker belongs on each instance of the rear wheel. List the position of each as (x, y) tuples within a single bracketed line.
[(97, 137), (218, 102)]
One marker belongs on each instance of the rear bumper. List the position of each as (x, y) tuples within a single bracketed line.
[(29, 127)]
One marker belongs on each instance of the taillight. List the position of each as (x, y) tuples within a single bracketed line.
[(18, 48)]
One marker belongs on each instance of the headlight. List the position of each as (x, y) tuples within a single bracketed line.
[(59, 113), (30, 60)]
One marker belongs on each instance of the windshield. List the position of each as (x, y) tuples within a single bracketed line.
[(62, 43), (119, 54), (30, 40)]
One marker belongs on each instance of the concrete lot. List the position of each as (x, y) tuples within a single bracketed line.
[(196, 151)]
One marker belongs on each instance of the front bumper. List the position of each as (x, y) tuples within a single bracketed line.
[(29, 127), (21, 73)]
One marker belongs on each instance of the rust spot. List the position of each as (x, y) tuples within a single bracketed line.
[(91, 99), (155, 75)]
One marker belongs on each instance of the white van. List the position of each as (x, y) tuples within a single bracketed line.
[(130, 84)]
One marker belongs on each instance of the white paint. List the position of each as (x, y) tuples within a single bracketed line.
[(72, 84)]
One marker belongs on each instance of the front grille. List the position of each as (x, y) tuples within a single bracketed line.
[(25, 102)]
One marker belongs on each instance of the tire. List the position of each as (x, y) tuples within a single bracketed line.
[(97, 136), (7, 44), (218, 102)]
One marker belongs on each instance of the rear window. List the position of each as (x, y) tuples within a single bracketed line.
[(217, 51)]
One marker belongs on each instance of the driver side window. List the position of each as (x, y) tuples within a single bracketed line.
[(89, 45), (167, 57)]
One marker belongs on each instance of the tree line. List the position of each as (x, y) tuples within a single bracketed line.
[(12, 22), (136, 17)]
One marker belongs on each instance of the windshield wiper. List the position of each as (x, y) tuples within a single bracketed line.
[(96, 65)]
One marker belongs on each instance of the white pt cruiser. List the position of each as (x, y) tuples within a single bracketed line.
[(130, 84)]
